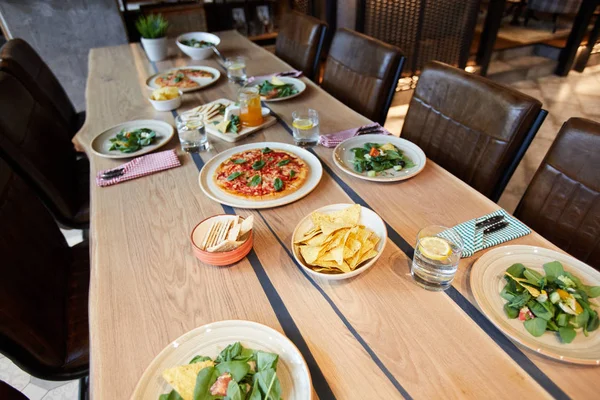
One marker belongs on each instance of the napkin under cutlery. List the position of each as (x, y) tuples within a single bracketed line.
[(333, 139), (141, 166), (294, 73), (475, 240)]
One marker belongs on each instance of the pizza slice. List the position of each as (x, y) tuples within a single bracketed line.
[(290, 168), (175, 79), (197, 73)]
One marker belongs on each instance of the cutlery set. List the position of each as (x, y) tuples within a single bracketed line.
[(492, 224)]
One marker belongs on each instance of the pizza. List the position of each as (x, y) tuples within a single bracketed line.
[(182, 78), (175, 79), (261, 174), (197, 73)]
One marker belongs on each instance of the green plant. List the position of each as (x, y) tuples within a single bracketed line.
[(152, 26)]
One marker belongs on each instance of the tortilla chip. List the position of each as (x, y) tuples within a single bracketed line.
[(367, 256), (183, 378), (310, 253)]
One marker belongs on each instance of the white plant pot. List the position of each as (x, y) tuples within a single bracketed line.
[(156, 49)]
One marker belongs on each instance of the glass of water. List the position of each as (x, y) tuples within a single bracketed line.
[(436, 257), (191, 132), (306, 127), (236, 69)]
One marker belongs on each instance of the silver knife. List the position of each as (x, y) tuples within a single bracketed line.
[(495, 227), (489, 221)]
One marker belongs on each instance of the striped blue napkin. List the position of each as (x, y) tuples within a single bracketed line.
[(474, 240)]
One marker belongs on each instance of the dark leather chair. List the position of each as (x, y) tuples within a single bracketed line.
[(44, 287), (300, 41), (34, 143), (473, 127), (362, 73), (19, 59), (562, 202), (8, 392)]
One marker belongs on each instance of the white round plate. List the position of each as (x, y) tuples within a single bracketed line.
[(101, 143), (202, 82), (301, 86), (214, 192), (210, 339), (342, 156), (368, 218), (487, 280)]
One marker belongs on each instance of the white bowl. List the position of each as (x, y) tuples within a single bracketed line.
[(368, 218), (198, 53), (167, 105)]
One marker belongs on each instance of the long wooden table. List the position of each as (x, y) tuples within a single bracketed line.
[(378, 336)]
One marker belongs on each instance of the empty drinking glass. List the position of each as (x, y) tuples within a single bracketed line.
[(191, 131), (436, 257), (236, 69), (306, 127)]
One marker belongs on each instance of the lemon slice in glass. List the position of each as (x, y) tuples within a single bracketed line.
[(303, 124), (435, 248), (236, 66)]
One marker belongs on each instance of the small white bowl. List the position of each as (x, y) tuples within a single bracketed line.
[(166, 105), (198, 53), (368, 218)]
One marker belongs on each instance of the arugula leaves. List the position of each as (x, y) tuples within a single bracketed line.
[(268, 90), (132, 141), (385, 159)]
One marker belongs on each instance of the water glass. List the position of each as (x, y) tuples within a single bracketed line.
[(436, 257), (191, 132), (236, 69), (305, 127)]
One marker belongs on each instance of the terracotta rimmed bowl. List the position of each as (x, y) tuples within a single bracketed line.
[(223, 258)]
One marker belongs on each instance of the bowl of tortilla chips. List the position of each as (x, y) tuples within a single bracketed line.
[(339, 241)]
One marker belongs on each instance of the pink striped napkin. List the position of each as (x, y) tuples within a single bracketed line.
[(141, 166), (333, 139), (294, 73)]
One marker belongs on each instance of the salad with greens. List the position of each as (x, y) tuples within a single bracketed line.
[(237, 373), (557, 302), (376, 159), (276, 89), (196, 43), (131, 141)]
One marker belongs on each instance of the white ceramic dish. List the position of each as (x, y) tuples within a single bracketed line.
[(202, 82), (342, 156), (368, 218), (487, 280), (198, 53), (210, 339), (166, 105), (212, 191), (101, 143), (300, 86)]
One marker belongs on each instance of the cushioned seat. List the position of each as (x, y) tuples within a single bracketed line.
[(37, 146), (473, 127), (362, 73), (8, 392), (300, 41), (562, 202), (19, 59), (44, 287)]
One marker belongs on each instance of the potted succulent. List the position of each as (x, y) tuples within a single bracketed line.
[(153, 29)]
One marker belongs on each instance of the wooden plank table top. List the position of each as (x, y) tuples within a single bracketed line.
[(377, 336)]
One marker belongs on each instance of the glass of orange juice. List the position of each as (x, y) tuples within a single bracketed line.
[(250, 108)]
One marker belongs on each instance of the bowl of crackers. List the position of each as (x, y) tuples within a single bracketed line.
[(339, 241), (222, 239)]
